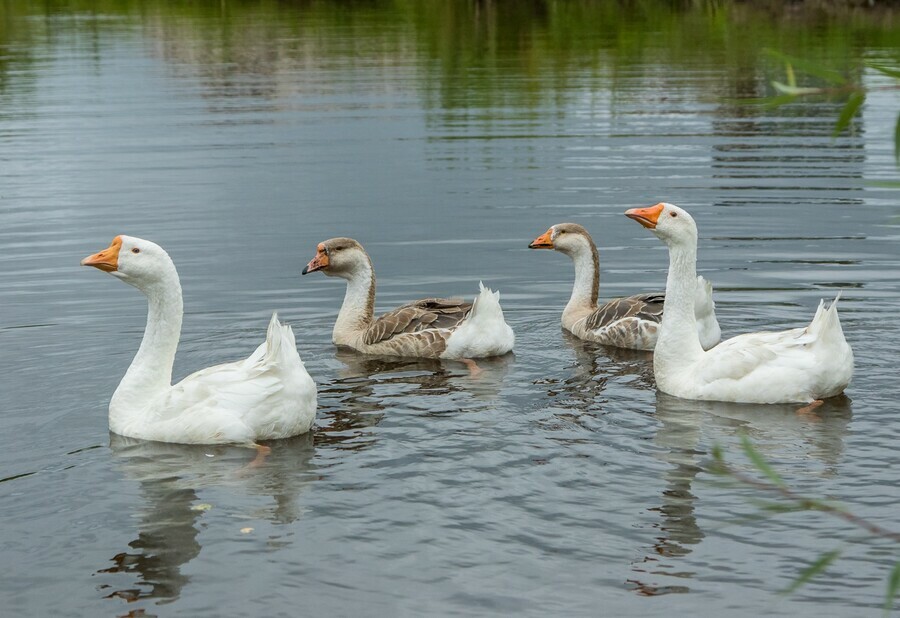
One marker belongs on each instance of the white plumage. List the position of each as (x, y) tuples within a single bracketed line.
[(798, 365), (266, 396), (484, 332), (705, 313)]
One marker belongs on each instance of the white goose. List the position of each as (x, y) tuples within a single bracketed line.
[(799, 365), (428, 328), (630, 322), (267, 396)]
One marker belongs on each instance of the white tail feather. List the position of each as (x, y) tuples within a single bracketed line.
[(826, 324), (703, 301), (273, 338), (486, 305), (484, 332), (280, 343), (705, 311)]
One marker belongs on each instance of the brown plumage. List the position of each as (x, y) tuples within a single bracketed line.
[(423, 328), (629, 322), (640, 306), (427, 317)]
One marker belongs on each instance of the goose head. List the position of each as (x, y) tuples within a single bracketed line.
[(671, 224), (568, 238), (339, 257), (135, 261)]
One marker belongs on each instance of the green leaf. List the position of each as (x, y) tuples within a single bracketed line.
[(806, 66), (883, 69), (766, 101), (853, 104), (760, 463), (794, 90), (718, 465), (897, 141), (812, 570), (884, 184), (778, 507), (778, 101), (892, 588), (791, 78)]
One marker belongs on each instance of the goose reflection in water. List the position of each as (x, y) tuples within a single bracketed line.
[(172, 478), (356, 401), (595, 365), (431, 375), (366, 384), (687, 428)]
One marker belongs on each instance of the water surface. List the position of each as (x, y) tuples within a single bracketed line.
[(444, 138)]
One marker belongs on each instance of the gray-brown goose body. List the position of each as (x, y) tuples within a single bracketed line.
[(630, 322), (427, 328)]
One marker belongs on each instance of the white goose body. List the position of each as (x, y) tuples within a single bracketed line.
[(428, 328), (264, 397), (792, 366), (630, 322)]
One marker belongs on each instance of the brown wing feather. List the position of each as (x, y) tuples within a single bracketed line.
[(421, 315), (642, 306)]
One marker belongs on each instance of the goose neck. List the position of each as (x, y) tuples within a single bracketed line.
[(587, 279), (358, 308), (151, 370), (678, 330)]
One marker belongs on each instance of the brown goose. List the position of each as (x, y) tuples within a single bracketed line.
[(428, 328), (629, 322)]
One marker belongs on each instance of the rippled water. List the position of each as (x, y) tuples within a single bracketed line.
[(557, 482)]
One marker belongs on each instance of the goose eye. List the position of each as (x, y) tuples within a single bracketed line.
[(135, 250), (673, 214)]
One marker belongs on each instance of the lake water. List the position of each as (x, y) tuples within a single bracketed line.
[(444, 137)]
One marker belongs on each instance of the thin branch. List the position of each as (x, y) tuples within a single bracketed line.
[(811, 504)]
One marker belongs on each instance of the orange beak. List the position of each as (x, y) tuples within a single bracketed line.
[(317, 263), (646, 216), (544, 241), (108, 259)]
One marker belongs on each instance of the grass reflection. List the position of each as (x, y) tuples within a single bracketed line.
[(465, 54)]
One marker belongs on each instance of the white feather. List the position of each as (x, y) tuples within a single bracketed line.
[(705, 312), (266, 396), (484, 332), (797, 365)]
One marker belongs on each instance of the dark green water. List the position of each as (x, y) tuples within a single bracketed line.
[(444, 137)]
